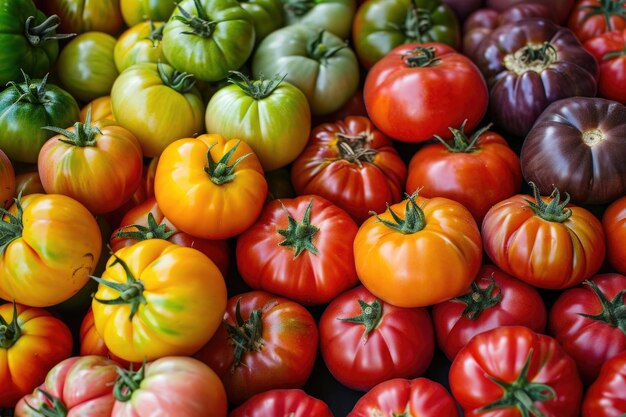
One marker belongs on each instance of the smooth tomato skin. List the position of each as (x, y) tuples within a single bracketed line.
[(137, 11), (477, 179), (79, 16), (587, 26), (561, 8), (612, 77), (614, 225), (419, 397), (441, 260), (135, 47), (285, 358), (357, 186), (44, 341), (91, 342), (542, 253), (281, 403), (605, 397), (7, 180), (194, 203), (520, 305), (401, 346), (28, 183), (501, 353), (589, 342), (410, 105), (100, 109)]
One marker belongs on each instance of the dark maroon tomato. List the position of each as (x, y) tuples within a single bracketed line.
[(579, 146), (462, 8), (562, 8)]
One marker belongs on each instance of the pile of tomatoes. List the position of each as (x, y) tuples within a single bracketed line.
[(281, 208)]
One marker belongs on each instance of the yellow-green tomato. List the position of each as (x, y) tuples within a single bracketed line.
[(139, 44), (137, 11)]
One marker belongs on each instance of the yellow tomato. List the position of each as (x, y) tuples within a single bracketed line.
[(139, 44)]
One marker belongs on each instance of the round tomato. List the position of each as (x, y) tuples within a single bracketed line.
[(100, 108), (264, 343), (609, 49), (614, 225), (605, 397), (91, 342), (591, 18), (334, 16), (428, 244), (267, 15), (7, 180), (418, 91), (139, 44), (281, 403), (137, 11), (543, 241), (79, 16)]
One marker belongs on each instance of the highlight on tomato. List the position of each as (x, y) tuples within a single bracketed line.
[(614, 225), (609, 49), (282, 402), (140, 44), (79, 16), (605, 397), (91, 343), (592, 18)]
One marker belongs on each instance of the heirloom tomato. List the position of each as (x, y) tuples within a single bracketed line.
[(100, 108), (137, 11), (605, 397), (28, 183), (609, 50), (419, 90), (352, 164), (463, 8), (27, 107), (151, 296), (78, 386), (495, 299), (301, 249), (267, 16), (49, 245), (591, 18), (477, 172), (7, 180), (365, 341), (139, 44), (265, 342), (334, 16), (79, 16), (158, 104), (614, 225), (210, 187), (588, 321), (543, 241), (282, 403), (91, 342), (31, 343), (272, 116), (560, 8), (419, 252), (512, 371)]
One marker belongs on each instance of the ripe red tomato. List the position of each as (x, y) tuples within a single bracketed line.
[(614, 224), (609, 49), (605, 397), (591, 18), (282, 403)]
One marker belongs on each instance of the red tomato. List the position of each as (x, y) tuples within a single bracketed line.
[(589, 323), (494, 300), (609, 49), (282, 403), (352, 164), (365, 341), (514, 372), (7, 180), (605, 397), (591, 18), (301, 249), (419, 90), (614, 224)]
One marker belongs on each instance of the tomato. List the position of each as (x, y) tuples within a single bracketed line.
[(98, 165), (139, 44), (382, 25), (495, 299), (86, 66), (614, 225), (7, 180), (49, 246), (78, 386), (463, 8), (405, 98), (609, 49), (150, 297), (137, 11), (146, 221), (158, 104), (210, 187), (264, 343), (27, 107), (31, 343), (316, 61), (477, 172), (587, 322), (605, 397), (591, 18), (79, 16), (245, 108), (281, 403), (397, 397), (334, 16), (512, 371), (220, 32), (28, 183), (267, 16), (352, 164), (100, 109), (430, 244), (91, 342), (543, 241)]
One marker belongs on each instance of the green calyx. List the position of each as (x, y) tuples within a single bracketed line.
[(156, 33), (257, 89), (607, 8), (521, 393), (201, 25), (299, 235), (131, 292), (480, 299), (421, 57), (614, 54), (414, 219), (34, 93), (319, 51), (128, 382), (417, 24), (554, 211), (11, 226), (55, 409), (153, 231), (245, 335), (355, 149), (370, 316), (43, 32), (460, 142), (83, 135), (220, 172), (9, 332), (298, 7), (176, 80), (613, 311)]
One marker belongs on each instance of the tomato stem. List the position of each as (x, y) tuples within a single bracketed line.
[(319, 51), (153, 231), (298, 7), (355, 149), (613, 311), (531, 57), (156, 33), (32, 92), (607, 8), (257, 89), (176, 80), (614, 54), (53, 407), (299, 235), (201, 24), (11, 226), (245, 335), (414, 218), (417, 24), (421, 57), (370, 317), (83, 135), (128, 382), (480, 299), (220, 172), (9, 332), (554, 211), (460, 142), (44, 31)]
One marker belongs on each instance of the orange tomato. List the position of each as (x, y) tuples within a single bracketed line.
[(100, 109), (7, 180), (614, 224)]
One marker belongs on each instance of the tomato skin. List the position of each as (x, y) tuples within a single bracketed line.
[(137, 11), (560, 8), (612, 77), (28, 183), (79, 16), (288, 347), (605, 397), (586, 25), (419, 397), (589, 342), (281, 403), (614, 225), (100, 109), (359, 185), (408, 103), (334, 16), (267, 15), (501, 354), (7, 180), (139, 44), (43, 342), (519, 305)]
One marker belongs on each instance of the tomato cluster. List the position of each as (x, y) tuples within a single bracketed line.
[(273, 208)]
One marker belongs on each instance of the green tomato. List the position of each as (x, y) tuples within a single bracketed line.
[(27, 107), (267, 16), (272, 116), (332, 15), (86, 66), (316, 61), (208, 38), (140, 44), (158, 105), (137, 11)]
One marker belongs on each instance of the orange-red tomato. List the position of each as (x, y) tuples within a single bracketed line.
[(7, 180), (614, 224), (100, 109)]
